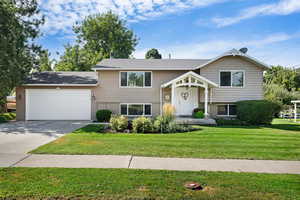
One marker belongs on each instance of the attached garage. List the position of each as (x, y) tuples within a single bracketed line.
[(57, 96), (58, 104)]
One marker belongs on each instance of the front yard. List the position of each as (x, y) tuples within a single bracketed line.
[(281, 141), (60, 184)]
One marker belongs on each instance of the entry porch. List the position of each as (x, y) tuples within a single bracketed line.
[(187, 92)]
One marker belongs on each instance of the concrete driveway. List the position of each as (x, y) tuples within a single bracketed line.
[(18, 138)]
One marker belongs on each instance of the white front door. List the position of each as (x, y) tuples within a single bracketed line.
[(186, 99), (58, 104)]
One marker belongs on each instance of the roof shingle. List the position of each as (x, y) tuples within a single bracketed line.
[(150, 64), (62, 78)]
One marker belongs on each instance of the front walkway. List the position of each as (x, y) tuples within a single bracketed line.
[(181, 164)]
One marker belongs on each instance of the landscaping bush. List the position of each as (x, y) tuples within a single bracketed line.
[(161, 124), (2, 119), (198, 115), (118, 123), (230, 122), (7, 117), (256, 112), (197, 110), (103, 115), (142, 125)]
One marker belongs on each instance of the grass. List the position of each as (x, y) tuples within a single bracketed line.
[(4, 117), (60, 183), (280, 141)]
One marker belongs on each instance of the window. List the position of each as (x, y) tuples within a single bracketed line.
[(136, 109), (232, 78), (227, 110), (225, 78), (136, 79)]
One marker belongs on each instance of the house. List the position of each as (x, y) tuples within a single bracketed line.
[(136, 87)]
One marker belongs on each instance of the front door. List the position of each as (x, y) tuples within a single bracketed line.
[(186, 99)]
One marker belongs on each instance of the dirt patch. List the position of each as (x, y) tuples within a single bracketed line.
[(59, 141), (209, 190), (143, 189), (90, 142)]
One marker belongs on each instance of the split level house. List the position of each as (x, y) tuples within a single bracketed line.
[(136, 87)]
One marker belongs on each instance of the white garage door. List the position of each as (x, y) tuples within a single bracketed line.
[(58, 104)]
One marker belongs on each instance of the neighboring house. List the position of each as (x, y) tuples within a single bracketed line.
[(136, 87), (11, 103)]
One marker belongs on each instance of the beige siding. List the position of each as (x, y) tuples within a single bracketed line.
[(109, 95), (253, 86)]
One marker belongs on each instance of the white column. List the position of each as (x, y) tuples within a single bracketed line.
[(295, 112), (173, 94), (206, 102)]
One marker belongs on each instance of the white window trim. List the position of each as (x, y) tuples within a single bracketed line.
[(227, 110), (136, 104), (244, 78), (135, 86)]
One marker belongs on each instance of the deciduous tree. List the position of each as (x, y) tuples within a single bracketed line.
[(153, 54), (106, 34), (45, 62), (19, 27)]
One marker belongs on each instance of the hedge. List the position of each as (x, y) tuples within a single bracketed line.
[(103, 115), (256, 112)]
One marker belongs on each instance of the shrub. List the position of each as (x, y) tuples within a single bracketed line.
[(257, 112), (103, 115), (2, 119), (197, 110), (161, 124), (118, 123), (142, 125), (7, 117), (198, 115)]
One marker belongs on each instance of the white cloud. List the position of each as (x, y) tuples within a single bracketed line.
[(261, 48), (62, 14), (283, 7)]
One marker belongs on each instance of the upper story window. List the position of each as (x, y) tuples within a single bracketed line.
[(233, 78), (136, 79)]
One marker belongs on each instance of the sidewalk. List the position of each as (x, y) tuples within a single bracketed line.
[(181, 164)]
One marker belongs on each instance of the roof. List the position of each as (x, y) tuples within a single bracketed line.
[(149, 64), (192, 74), (235, 52), (62, 78), (169, 64)]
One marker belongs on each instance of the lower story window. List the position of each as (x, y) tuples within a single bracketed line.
[(227, 110), (136, 109)]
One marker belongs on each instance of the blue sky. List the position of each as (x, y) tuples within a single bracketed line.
[(189, 28)]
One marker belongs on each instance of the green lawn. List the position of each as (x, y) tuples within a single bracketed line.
[(121, 184), (281, 141)]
